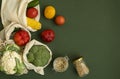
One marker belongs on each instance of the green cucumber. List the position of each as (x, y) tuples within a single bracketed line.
[(33, 3)]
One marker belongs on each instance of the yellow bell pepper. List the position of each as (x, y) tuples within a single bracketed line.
[(33, 24)]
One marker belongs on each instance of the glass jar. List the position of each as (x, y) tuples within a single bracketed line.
[(81, 67)]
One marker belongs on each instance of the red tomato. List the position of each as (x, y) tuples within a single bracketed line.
[(48, 35), (21, 37), (59, 20), (32, 12)]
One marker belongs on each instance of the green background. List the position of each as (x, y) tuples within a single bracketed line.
[(91, 30)]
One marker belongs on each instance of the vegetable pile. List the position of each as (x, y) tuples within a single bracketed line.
[(18, 53), (32, 13), (15, 46), (48, 35)]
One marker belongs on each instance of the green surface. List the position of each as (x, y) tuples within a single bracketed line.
[(91, 30)]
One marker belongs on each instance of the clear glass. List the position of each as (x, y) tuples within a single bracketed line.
[(81, 67)]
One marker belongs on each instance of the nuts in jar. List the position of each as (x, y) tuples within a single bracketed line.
[(81, 67)]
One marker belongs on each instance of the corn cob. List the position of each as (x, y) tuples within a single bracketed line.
[(33, 24)]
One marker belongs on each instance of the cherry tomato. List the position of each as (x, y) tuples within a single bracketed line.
[(32, 12), (49, 12), (59, 20), (48, 35), (21, 37)]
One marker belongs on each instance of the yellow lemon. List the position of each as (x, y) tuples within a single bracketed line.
[(49, 12)]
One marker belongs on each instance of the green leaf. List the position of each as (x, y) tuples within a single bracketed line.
[(19, 66), (1, 68), (33, 3), (1, 53), (16, 29), (12, 47)]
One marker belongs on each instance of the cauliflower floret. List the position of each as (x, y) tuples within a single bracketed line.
[(8, 62)]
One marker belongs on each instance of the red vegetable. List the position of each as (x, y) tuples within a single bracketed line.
[(21, 37), (48, 35), (32, 12), (59, 20)]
